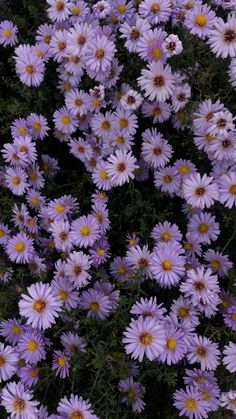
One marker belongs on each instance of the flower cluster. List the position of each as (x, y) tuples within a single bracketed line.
[(67, 253)]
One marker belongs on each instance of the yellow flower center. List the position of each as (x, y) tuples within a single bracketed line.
[(205, 395), (2, 233), (34, 372), (75, 11), (96, 102), (94, 306), (85, 230), (203, 228), (103, 175), (156, 111), (59, 208), (65, 119), (39, 306), (100, 252), (166, 236), (121, 8), (156, 53), (166, 265), (15, 180), (2, 360), (233, 317), (184, 170), (123, 123), (36, 126), (145, 338), (21, 130), (232, 189), (121, 270), (32, 346), (7, 33), (18, 405), (171, 344), (183, 312), (200, 20), (76, 415), (99, 53), (215, 264), (106, 125), (29, 69), (15, 330), (61, 361), (155, 8), (190, 404), (167, 179), (63, 294), (19, 247), (35, 201)]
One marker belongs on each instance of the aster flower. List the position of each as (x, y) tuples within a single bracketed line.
[(157, 81), (41, 306), (218, 262), (132, 32), (120, 269), (60, 364), (72, 343), (189, 403), (148, 307), (38, 126), (121, 167), (18, 402), (229, 359), (11, 330), (95, 303), (168, 180), (175, 347), (29, 67), (197, 377), (20, 248), (76, 406), (99, 53), (16, 180), (131, 100), (85, 231), (59, 10), (76, 268), (200, 20), (65, 292), (156, 151), (29, 376), (185, 311), (228, 400), (205, 351), (204, 227), (166, 232), (65, 121), (132, 392), (167, 264), (227, 189), (230, 317), (144, 336), (8, 33), (155, 11), (222, 38), (9, 358), (200, 191), (31, 347), (138, 258), (172, 45)]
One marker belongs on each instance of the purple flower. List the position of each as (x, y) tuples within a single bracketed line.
[(41, 306), (157, 82), (167, 264), (31, 347), (99, 53), (175, 347), (11, 330), (189, 403), (29, 376), (29, 67), (148, 307), (60, 364), (200, 20), (199, 191), (85, 231), (230, 317), (95, 303), (9, 358), (144, 336), (202, 350), (75, 407), (16, 180), (8, 33), (20, 248), (18, 402), (132, 393), (121, 167), (229, 359)]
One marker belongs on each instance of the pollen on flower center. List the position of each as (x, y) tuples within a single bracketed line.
[(19, 247), (199, 286), (156, 53), (230, 35), (184, 170), (2, 360), (142, 262), (59, 6), (200, 20), (59, 208), (159, 81), (36, 126), (145, 338), (85, 230), (121, 270), (201, 352), (167, 179), (100, 252), (7, 33), (166, 264), (61, 361), (123, 123), (203, 228), (200, 191), (39, 306), (215, 264), (63, 294), (155, 8), (99, 53), (18, 405), (75, 11), (29, 69), (233, 317), (190, 404), (15, 330), (232, 189), (103, 174), (171, 344), (106, 125), (166, 236), (32, 346), (76, 415), (121, 167), (15, 180), (134, 34), (65, 119), (183, 312), (121, 8), (77, 269), (94, 306)]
